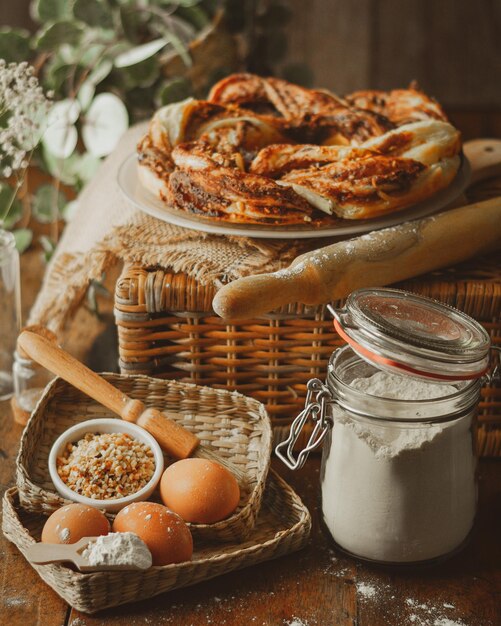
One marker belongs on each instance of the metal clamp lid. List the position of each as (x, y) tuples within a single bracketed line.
[(316, 410), (409, 334)]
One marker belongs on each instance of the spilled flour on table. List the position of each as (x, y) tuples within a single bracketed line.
[(366, 590), (296, 622), (409, 611)]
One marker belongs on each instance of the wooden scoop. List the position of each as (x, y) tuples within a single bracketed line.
[(174, 439), (379, 258), (44, 553)]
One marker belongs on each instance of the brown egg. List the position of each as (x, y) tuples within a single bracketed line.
[(199, 490), (72, 522), (164, 532)]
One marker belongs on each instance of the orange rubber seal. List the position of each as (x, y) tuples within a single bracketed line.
[(377, 358)]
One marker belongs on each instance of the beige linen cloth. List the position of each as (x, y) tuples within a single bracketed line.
[(107, 229)]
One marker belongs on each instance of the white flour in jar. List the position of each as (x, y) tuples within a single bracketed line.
[(399, 493)]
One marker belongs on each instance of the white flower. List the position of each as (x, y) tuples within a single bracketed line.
[(23, 108)]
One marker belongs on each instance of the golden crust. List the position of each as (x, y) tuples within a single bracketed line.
[(374, 185), (264, 151), (401, 106)]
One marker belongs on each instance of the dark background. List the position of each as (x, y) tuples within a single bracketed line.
[(451, 47)]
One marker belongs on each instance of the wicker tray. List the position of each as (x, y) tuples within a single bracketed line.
[(166, 328), (235, 427), (283, 526)]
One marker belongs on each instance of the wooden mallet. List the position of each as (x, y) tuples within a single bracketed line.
[(174, 439)]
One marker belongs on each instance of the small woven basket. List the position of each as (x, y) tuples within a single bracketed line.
[(283, 526), (231, 427)]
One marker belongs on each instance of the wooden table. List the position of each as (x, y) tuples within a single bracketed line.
[(317, 586)]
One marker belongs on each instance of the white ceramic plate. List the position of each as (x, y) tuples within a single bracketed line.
[(146, 201)]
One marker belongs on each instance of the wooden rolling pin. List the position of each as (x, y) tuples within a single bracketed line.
[(379, 258), (174, 439)]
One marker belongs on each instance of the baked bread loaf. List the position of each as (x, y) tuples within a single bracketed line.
[(265, 151)]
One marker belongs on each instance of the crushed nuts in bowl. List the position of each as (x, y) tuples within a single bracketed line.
[(106, 463)]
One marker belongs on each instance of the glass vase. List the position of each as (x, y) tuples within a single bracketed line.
[(10, 309)]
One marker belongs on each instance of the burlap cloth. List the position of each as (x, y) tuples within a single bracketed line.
[(106, 229)]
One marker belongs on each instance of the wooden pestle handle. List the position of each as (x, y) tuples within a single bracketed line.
[(173, 438), (379, 258)]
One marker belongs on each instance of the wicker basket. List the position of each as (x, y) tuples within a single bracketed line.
[(166, 328), (232, 426), (283, 526)]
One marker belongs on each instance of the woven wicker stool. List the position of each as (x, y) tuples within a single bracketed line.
[(167, 329)]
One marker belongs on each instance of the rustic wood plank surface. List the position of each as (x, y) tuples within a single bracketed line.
[(451, 47), (318, 586)]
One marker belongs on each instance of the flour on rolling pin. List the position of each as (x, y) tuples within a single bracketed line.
[(376, 259), (378, 245)]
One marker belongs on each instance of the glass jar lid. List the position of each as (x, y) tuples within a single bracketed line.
[(410, 334)]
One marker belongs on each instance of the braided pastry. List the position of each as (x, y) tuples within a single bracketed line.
[(265, 151)]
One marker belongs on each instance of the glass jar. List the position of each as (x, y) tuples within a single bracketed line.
[(30, 378), (396, 417), (10, 309)]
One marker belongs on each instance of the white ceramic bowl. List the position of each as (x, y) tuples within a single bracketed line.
[(108, 425)]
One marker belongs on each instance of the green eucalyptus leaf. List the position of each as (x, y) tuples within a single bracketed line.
[(47, 203), (48, 247), (56, 75), (173, 91), (195, 15), (61, 136), (100, 71), (68, 54), (184, 3), (139, 53), (133, 23), (58, 33), (10, 206), (91, 55), (142, 74), (93, 12), (86, 166), (181, 28), (85, 94), (14, 44), (61, 169), (105, 122), (23, 238), (75, 170), (51, 10), (180, 48)]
